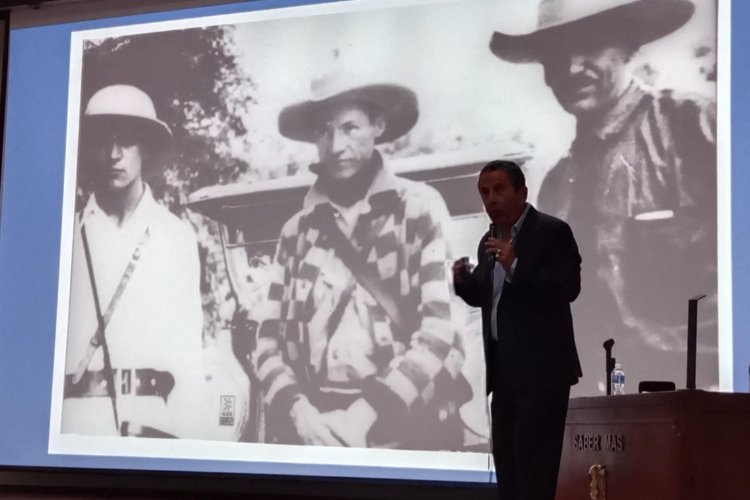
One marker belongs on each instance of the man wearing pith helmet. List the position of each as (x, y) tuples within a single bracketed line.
[(135, 317), (638, 185), (356, 346)]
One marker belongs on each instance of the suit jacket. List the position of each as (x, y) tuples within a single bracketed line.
[(536, 347)]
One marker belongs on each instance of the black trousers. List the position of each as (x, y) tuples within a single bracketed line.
[(527, 437)]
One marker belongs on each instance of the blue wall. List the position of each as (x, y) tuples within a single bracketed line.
[(740, 186)]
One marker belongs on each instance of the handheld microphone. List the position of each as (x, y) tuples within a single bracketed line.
[(493, 234)]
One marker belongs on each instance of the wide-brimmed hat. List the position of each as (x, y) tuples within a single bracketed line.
[(118, 105), (397, 104), (642, 21)]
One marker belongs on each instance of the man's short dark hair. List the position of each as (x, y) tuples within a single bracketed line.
[(509, 167)]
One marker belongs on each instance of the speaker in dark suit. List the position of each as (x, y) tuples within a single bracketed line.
[(528, 273)]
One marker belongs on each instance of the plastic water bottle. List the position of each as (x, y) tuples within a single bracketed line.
[(618, 380)]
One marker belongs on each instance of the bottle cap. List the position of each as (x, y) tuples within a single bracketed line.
[(617, 366)]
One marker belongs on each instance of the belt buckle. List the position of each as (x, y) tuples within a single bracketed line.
[(126, 382)]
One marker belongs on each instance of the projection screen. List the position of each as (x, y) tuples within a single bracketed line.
[(174, 333)]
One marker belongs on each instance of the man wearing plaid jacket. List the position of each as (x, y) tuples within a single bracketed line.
[(356, 346)]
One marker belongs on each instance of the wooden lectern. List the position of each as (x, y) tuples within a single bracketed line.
[(681, 445)]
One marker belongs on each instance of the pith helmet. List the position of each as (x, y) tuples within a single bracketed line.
[(127, 105)]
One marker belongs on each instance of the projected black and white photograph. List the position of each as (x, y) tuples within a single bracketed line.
[(638, 183), (265, 208)]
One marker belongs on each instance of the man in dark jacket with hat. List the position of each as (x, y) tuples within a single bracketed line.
[(638, 185), (356, 345)]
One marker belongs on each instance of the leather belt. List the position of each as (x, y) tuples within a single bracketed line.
[(136, 382)]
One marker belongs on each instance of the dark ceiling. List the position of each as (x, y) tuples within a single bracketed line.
[(9, 4)]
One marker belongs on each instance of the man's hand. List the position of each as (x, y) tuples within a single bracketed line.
[(461, 270), (503, 251), (312, 425), (352, 425)]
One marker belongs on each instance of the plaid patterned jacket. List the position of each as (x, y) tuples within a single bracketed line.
[(400, 231)]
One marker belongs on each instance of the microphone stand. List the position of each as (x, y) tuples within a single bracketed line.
[(609, 364), (692, 339)]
